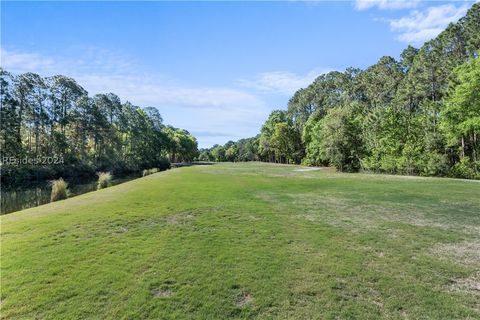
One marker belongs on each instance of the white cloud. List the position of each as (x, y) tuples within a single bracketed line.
[(386, 4), (27, 61), (92, 60), (420, 26), (227, 113), (103, 71), (281, 82), (148, 91)]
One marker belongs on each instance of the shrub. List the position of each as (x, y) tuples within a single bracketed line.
[(389, 164), (163, 165), (146, 172), (59, 190), (104, 180), (463, 169), (434, 164)]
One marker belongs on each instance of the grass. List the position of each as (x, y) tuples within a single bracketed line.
[(249, 241), (59, 190)]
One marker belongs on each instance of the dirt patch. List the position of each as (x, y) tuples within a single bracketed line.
[(333, 210), (180, 218), (466, 252), (120, 229), (162, 293), (308, 169), (339, 210), (470, 284), (244, 299)]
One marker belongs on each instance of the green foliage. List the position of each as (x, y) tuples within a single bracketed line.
[(218, 153), (435, 164), (242, 150), (182, 146), (340, 138), (55, 116), (464, 169), (460, 119), (311, 139), (59, 190), (280, 139), (104, 180), (231, 153)]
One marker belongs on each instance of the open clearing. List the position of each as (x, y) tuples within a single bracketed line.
[(248, 241)]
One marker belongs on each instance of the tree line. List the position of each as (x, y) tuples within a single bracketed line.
[(419, 115), (56, 116)]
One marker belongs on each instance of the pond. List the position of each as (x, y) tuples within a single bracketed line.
[(18, 199)]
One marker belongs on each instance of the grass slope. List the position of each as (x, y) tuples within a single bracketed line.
[(248, 241)]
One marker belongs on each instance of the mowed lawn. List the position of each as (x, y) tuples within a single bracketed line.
[(248, 241)]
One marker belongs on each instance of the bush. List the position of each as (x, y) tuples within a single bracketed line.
[(104, 180), (146, 172), (59, 190), (162, 165), (389, 164), (463, 169), (435, 164)]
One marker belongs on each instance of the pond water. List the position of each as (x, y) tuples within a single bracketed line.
[(19, 199)]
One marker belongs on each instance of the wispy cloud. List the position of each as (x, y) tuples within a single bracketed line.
[(233, 113), (150, 91), (91, 59), (281, 82), (15, 61), (386, 4), (420, 26)]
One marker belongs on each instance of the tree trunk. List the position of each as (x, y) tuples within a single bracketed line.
[(474, 152)]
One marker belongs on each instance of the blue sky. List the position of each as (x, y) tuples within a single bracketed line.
[(214, 68)]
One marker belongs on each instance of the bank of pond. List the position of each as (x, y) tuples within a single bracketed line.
[(36, 194)]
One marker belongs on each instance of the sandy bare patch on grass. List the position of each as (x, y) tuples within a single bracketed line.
[(162, 293), (417, 218), (180, 218), (244, 299), (331, 210), (467, 252), (338, 210), (470, 285), (308, 169), (120, 229)]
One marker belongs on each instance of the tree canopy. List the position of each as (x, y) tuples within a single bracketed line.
[(56, 116)]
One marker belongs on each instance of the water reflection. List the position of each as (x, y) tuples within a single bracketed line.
[(15, 200)]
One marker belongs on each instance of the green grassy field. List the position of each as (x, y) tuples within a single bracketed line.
[(248, 241)]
